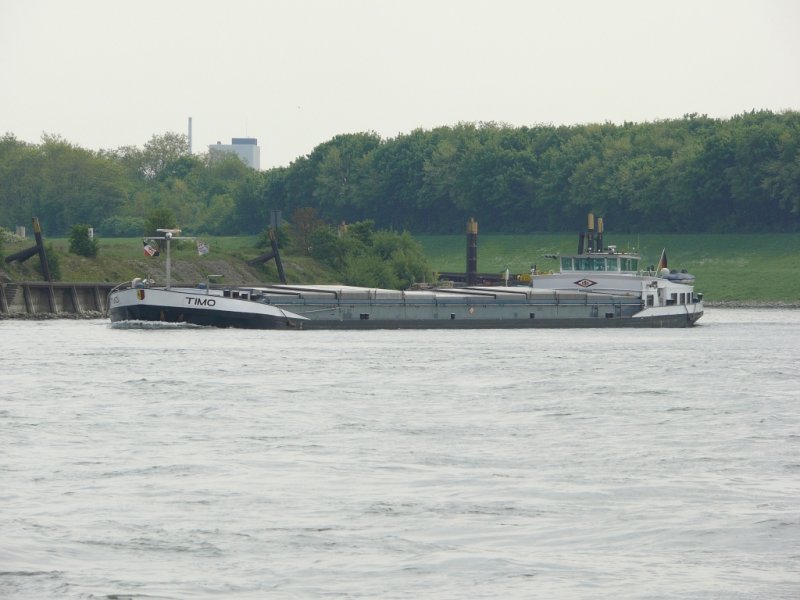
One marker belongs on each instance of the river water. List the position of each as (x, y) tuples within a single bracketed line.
[(175, 462)]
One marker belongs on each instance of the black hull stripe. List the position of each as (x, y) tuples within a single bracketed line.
[(203, 317)]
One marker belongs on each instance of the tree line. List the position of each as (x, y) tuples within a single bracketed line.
[(694, 174)]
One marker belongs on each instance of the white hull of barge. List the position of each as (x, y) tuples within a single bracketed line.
[(188, 305)]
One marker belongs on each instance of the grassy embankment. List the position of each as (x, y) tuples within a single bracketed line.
[(758, 268), (121, 259)]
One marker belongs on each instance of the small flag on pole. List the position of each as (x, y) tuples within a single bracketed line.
[(662, 262), (150, 250), (202, 247)]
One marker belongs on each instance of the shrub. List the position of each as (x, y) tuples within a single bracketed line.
[(80, 243), (160, 218), (366, 257), (326, 247), (370, 270)]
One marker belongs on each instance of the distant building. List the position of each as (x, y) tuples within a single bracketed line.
[(245, 148)]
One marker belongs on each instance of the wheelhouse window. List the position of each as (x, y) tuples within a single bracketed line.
[(598, 263)]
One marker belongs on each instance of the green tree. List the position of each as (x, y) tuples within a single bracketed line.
[(364, 256), (689, 174), (58, 182), (362, 231), (250, 212), (20, 180), (161, 153), (370, 270), (328, 248), (342, 169), (271, 194), (395, 179), (403, 254), (756, 145), (782, 173), (79, 186), (304, 222)]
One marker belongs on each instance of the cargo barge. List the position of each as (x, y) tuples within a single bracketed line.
[(597, 287)]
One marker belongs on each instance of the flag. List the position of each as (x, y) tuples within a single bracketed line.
[(662, 262), (150, 250), (202, 247)]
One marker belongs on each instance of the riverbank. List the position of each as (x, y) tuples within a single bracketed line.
[(750, 304)]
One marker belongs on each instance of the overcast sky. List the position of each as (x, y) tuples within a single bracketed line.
[(294, 73)]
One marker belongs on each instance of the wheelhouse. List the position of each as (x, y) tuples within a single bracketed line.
[(589, 263)]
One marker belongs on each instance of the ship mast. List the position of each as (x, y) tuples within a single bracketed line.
[(169, 235)]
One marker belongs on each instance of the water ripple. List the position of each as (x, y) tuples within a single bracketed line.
[(176, 462)]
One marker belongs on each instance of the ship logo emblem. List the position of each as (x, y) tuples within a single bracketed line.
[(585, 283)]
